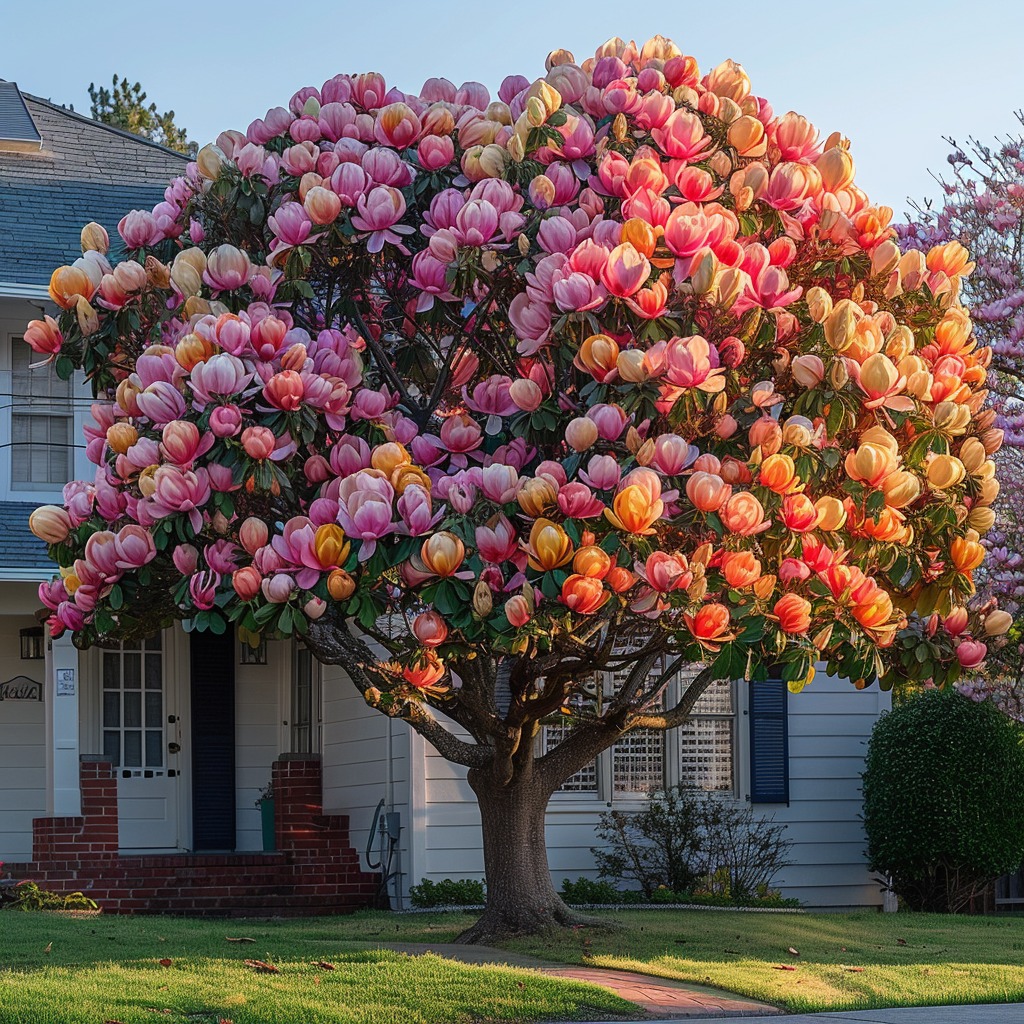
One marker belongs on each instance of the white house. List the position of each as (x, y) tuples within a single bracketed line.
[(134, 772)]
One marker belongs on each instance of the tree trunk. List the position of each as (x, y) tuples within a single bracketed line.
[(521, 898)]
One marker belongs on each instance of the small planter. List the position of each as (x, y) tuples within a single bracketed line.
[(267, 818)]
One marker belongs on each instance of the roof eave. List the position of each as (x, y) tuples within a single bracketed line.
[(21, 290)]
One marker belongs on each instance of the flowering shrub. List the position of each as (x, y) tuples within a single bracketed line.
[(618, 361)]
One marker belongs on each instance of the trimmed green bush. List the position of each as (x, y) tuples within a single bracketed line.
[(944, 799), (449, 892)]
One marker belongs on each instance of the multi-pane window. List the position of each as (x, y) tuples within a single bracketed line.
[(706, 740), (133, 705), (42, 423), (636, 763), (305, 716), (585, 780)]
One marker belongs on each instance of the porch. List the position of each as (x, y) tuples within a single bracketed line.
[(314, 869)]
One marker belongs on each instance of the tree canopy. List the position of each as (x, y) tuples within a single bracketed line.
[(124, 106), (614, 372)]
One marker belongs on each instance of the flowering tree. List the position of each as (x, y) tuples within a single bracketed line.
[(983, 209), (618, 371)]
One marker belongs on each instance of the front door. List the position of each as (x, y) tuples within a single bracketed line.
[(140, 731)]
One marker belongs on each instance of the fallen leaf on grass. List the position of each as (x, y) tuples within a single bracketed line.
[(324, 965), (736, 951), (165, 962), (49, 947), (901, 942), (783, 967), (112, 1022), (855, 970), (155, 1009), (262, 966), (793, 952), (238, 938)]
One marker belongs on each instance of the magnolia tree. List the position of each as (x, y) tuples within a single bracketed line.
[(617, 372), (982, 207)]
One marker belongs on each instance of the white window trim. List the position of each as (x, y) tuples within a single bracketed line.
[(80, 414)]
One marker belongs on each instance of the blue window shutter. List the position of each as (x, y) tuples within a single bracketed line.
[(769, 742)]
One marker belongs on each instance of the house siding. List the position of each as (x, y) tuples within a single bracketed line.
[(356, 773), (829, 724), (259, 691)]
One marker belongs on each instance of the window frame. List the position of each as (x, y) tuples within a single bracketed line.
[(315, 725), (604, 792), (12, 330)]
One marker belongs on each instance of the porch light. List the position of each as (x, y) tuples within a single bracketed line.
[(31, 643), (253, 655)]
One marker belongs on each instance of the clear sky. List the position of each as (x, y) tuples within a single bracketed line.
[(893, 76)]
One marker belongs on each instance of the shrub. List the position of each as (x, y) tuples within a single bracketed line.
[(686, 840), (29, 896), (586, 890), (449, 892), (944, 799)]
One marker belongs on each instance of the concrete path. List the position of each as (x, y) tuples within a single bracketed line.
[(660, 997), (987, 1013)]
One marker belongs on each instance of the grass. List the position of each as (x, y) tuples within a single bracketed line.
[(107, 968), (66, 970), (906, 959)]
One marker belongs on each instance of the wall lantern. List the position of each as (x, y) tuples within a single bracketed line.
[(32, 643)]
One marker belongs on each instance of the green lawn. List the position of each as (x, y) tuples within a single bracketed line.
[(907, 959), (59, 970), (107, 968)]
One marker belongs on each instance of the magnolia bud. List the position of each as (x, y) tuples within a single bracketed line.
[(838, 374), (210, 160), (158, 275), (483, 602), (95, 238), (88, 318)]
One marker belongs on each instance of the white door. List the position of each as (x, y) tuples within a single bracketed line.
[(140, 726)]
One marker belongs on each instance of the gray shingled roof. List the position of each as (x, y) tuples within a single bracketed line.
[(84, 171), (16, 122), (40, 225), (19, 547)]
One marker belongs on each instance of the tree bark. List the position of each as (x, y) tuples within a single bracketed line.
[(521, 898)]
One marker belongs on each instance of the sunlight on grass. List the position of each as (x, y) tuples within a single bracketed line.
[(845, 961), (109, 969)]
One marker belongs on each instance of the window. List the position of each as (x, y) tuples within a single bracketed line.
[(42, 424), (305, 716), (698, 754), (133, 706), (706, 738)]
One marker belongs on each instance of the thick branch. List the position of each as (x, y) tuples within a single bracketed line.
[(334, 644)]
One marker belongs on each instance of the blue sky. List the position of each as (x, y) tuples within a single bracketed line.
[(894, 77)]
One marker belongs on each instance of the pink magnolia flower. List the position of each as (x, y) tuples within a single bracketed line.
[(691, 363), (665, 572), (416, 510), (602, 473), (499, 483), (227, 268), (180, 491), (291, 224), (497, 542), (182, 443), (161, 402), (491, 398), (682, 136), (626, 270), (380, 210), (202, 588), (577, 501)]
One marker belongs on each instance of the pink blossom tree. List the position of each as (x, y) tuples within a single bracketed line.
[(617, 372), (982, 208)]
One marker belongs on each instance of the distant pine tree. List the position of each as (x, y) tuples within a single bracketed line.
[(124, 106)]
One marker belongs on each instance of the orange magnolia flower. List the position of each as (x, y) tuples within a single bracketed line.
[(583, 594), (425, 672), (330, 545), (778, 474), (966, 554), (633, 510), (442, 553), (592, 561), (549, 546), (710, 625), (799, 513), (793, 613), (740, 568), (743, 514), (67, 284), (620, 579), (876, 611)]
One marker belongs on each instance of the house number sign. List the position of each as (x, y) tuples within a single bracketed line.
[(21, 688), (65, 679)]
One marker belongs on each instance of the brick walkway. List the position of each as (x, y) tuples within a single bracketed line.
[(660, 997)]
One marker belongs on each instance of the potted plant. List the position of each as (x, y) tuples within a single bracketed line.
[(265, 802)]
